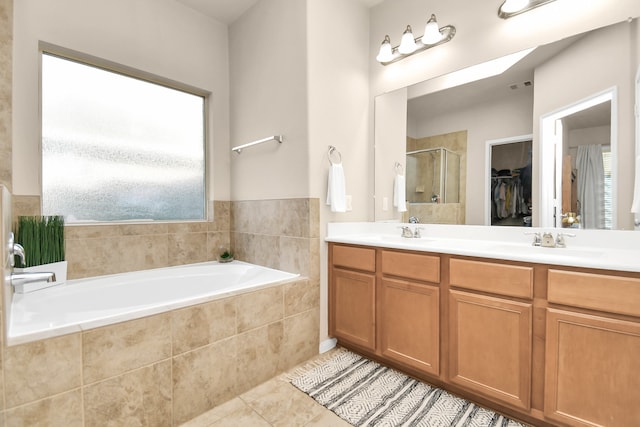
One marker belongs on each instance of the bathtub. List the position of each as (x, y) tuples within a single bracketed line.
[(84, 304)]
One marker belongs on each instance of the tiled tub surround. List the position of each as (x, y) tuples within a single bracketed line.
[(96, 250), (164, 369)]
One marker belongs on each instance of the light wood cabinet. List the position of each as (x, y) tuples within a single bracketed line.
[(409, 324), (490, 347), (354, 304), (552, 345), (592, 370)]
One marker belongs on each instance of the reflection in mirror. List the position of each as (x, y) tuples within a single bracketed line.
[(582, 138), (433, 186), (513, 103), (511, 184)]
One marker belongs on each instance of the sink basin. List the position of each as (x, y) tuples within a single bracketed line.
[(539, 250)]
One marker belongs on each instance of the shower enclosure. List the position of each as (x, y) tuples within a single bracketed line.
[(433, 176)]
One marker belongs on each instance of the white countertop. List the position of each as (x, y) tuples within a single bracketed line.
[(600, 249)]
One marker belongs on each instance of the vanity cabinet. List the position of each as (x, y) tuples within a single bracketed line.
[(409, 315), (592, 367), (551, 345), (352, 295), (490, 336), (386, 303)]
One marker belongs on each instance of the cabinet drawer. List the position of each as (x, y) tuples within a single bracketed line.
[(354, 257), (502, 279), (595, 291), (411, 266)]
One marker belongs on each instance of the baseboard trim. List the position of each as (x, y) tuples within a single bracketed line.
[(327, 345)]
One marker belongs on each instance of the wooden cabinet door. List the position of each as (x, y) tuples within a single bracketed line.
[(353, 307), (409, 324), (490, 347), (592, 372)]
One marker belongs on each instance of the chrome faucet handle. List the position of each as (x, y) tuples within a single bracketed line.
[(414, 220), (15, 249), (560, 243), (406, 231), (416, 232), (537, 240)]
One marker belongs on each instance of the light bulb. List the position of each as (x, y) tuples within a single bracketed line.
[(432, 34), (511, 6), (386, 52), (407, 44)]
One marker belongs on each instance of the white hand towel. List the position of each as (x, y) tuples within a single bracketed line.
[(635, 206), (336, 192), (399, 194)]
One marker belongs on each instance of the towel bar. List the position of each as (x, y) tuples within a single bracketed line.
[(239, 148)]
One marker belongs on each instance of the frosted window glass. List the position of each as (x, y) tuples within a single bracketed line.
[(116, 148)]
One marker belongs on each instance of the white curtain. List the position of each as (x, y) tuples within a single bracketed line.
[(591, 185)]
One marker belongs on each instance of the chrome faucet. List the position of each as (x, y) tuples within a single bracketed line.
[(406, 232), (414, 220), (19, 280)]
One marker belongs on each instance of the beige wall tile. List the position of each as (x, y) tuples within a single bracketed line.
[(187, 227), (256, 217), (203, 379), (261, 249), (301, 295), (301, 338), (232, 409), (203, 324), (137, 398), (42, 368), (187, 248), (221, 216), (259, 352), (259, 308), (118, 348), (25, 206), (144, 252), (60, 410), (92, 231), (295, 217), (215, 242), (143, 229), (93, 257), (295, 255)]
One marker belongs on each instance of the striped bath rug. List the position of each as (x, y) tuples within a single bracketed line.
[(365, 393)]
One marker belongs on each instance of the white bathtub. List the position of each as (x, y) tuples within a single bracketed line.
[(89, 303)]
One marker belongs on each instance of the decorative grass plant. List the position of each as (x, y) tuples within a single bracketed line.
[(42, 238)]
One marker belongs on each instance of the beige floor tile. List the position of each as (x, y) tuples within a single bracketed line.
[(245, 417), (327, 419), (233, 406), (281, 404)]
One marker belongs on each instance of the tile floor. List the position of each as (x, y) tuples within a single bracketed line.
[(273, 403)]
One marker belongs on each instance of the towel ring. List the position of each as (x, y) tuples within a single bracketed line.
[(399, 168), (333, 150)]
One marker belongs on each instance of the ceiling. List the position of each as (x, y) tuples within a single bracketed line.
[(227, 11)]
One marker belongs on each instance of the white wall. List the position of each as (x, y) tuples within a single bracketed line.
[(596, 62), (268, 57), (161, 37), (338, 88)]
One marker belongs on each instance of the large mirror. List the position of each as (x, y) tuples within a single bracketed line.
[(492, 125)]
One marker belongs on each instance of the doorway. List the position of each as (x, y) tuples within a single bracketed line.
[(508, 200), (577, 169)]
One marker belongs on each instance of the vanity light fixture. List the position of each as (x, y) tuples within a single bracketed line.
[(511, 8), (433, 36)]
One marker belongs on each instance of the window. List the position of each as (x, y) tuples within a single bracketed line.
[(119, 148)]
